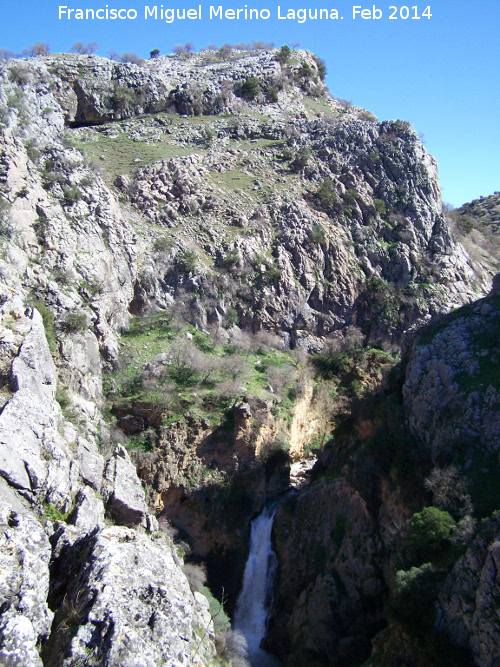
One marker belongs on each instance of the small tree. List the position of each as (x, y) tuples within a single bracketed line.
[(320, 64), (154, 53), (305, 70), (6, 54), (326, 194), (430, 529), (179, 49), (301, 159), (225, 50), (189, 46), (37, 49), (131, 57), (284, 54), (412, 602), (83, 49), (251, 88)]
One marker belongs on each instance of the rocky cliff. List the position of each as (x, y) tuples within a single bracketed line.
[(74, 587), (177, 238), (400, 523)]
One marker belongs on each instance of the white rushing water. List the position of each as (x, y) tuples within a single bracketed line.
[(254, 603)]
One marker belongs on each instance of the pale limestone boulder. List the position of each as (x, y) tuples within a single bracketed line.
[(122, 490), (24, 585)]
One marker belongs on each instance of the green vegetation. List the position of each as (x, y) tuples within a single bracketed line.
[(283, 55), (301, 159), (414, 595), (53, 513), (74, 323), (48, 322), (122, 153), (250, 88), (122, 99), (326, 195), (187, 261), (430, 530)]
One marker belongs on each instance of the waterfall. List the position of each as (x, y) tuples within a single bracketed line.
[(254, 603)]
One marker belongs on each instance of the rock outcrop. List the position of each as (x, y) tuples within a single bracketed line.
[(468, 611), (346, 540), (64, 588), (451, 390)]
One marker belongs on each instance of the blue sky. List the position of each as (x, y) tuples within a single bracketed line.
[(442, 74)]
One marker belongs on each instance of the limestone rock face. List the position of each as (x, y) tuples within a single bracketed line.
[(24, 561), (132, 605), (284, 211), (123, 491), (106, 583), (451, 390), (326, 545), (468, 608), (29, 422), (91, 463)]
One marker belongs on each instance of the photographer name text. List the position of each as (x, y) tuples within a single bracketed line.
[(219, 12)]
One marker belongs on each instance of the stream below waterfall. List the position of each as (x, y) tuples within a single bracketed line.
[(254, 603)]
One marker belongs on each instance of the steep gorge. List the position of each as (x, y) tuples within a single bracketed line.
[(174, 253)]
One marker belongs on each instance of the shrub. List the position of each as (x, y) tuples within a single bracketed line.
[(122, 98), (272, 94), (187, 261), (232, 316), (305, 71), (74, 323), (81, 48), (71, 195), (326, 195), (231, 259), (284, 54), (37, 49), (19, 75), (318, 234), (48, 321), (6, 54), (62, 397), (380, 207), (273, 274), (430, 529), (196, 576), (351, 196), (154, 53), (220, 620), (250, 88), (53, 513), (163, 244), (301, 159), (5, 227), (415, 592), (92, 287), (449, 491), (320, 64), (131, 57)]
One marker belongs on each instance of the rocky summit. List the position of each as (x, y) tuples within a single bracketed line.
[(223, 289)]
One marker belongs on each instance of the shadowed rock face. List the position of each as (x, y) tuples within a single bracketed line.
[(341, 541), (451, 390)]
